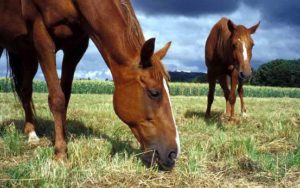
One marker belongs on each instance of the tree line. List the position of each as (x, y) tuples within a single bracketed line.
[(279, 72)]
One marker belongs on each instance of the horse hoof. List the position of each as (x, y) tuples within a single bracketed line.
[(61, 153), (207, 116), (32, 137), (244, 114), (225, 114), (60, 157), (233, 120)]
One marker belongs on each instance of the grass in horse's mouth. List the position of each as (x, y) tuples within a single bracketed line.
[(154, 157)]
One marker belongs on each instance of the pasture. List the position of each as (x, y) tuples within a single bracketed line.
[(262, 149), (181, 89)]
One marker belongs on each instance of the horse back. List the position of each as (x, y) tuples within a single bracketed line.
[(216, 44)]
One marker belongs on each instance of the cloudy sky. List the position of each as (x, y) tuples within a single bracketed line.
[(187, 24)]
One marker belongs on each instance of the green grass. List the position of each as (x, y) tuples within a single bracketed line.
[(262, 149), (186, 89)]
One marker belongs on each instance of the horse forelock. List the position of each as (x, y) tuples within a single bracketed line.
[(158, 70), (242, 34), (133, 34)]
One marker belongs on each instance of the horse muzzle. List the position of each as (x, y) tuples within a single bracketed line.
[(168, 162), (244, 76), (165, 160)]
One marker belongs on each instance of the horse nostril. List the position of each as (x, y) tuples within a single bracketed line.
[(242, 75), (173, 155)]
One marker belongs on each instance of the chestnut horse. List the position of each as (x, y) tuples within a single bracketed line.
[(228, 52), (33, 30)]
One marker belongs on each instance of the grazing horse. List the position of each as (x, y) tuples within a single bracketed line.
[(228, 52), (141, 97)]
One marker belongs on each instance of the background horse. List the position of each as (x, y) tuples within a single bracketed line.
[(141, 97), (228, 52)]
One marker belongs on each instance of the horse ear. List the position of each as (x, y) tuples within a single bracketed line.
[(253, 28), (147, 52), (162, 52), (231, 26)]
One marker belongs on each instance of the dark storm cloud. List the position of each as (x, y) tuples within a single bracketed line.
[(278, 11), (187, 24), (185, 7)]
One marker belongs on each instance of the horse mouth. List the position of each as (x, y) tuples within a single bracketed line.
[(166, 166), (152, 158), (243, 77)]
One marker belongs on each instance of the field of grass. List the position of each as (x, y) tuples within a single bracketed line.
[(262, 149), (186, 89)]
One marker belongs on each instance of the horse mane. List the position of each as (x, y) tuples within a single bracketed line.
[(135, 38), (223, 36), (133, 34)]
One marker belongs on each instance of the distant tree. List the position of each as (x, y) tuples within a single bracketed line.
[(278, 73), (186, 76), (202, 78)]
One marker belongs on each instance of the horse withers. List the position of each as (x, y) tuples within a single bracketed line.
[(228, 53), (141, 97)]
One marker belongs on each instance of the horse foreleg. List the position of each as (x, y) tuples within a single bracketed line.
[(232, 95), (24, 69), (45, 48), (71, 58), (226, 91), (241, 95), (211, 93)]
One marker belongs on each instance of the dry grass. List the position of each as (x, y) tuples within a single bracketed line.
[(261, 150)]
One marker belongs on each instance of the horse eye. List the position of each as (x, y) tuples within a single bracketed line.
[(154, 94), (233, 46)]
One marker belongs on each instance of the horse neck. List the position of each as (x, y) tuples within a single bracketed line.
[(113, 27), (224, 47)]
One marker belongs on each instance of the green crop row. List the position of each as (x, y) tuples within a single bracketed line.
[(186, 89)]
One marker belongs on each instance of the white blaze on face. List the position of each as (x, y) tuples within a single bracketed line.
[(245, 53), (177, 135)]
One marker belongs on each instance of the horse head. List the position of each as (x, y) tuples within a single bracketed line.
[(143, 103), (241, 44)]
